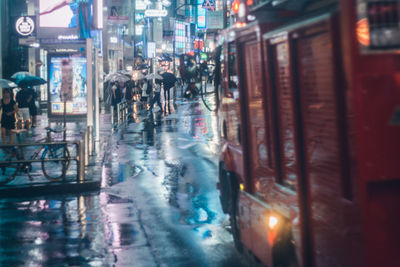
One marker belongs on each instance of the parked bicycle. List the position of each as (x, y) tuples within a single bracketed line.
[(54, 159)]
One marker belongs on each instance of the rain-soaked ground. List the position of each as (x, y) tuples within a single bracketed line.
[(159, 204)]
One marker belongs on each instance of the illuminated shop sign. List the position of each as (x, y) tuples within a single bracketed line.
[(139, 16), (140, 5), (66, 50), (25, 26), (201, 15), (68, 37), (139, 29), (156, 13)]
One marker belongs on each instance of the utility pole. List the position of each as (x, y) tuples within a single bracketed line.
[(1, 39), (225, 11), (134, 29), (31, 51)]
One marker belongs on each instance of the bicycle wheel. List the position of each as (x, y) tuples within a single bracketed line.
[(9, 169), (54, 169)]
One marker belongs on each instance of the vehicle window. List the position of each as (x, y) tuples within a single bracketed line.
[(233, 78)]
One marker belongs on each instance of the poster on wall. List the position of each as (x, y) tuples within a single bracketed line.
[(67, 82), (117, 12), (61, 13)]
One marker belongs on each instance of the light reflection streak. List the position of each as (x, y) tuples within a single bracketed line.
[(103, 176), (82, 216), (116, 234)]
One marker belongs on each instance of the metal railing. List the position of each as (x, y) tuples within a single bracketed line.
[(84, 149), (122, 114), (79, 156)]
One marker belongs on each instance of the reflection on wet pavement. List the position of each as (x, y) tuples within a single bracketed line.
[(159, 205)]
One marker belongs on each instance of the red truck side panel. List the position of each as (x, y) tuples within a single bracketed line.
[(374, 80), (258, 148), (286, 120), (318, 87)]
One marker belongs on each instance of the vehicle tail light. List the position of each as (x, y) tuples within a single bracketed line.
[(383, 22)]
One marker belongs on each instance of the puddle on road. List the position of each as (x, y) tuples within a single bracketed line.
[(84, 230), (119, 172), (193, 204)]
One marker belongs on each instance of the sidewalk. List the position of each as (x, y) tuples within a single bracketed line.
[(95, 173), (22, 186)]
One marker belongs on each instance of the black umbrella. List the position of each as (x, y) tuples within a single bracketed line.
[(30, 81), (169, 79)]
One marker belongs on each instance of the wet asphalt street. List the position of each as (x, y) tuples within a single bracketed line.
[(158, 205)]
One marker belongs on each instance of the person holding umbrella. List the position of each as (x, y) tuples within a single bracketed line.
[(9, 108), (25, 99), (169, 81)]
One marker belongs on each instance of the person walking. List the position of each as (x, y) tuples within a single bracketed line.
[(156, 97), (116, 94), (32, 107), (129, 95), (168, 81), (145, 93), (9, 107), (24, 99)]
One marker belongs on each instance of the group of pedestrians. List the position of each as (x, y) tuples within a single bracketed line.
[(17, 112), (148, 91)]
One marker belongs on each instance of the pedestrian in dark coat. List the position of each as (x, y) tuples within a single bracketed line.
[(25, 99), (169, 81), (116, 94), (9, 107), (156, 97)]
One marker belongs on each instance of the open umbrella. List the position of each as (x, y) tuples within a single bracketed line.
[(154, 76), (30, 81), (126, 72), (20, 75), (168, 79), (116, 77), (7, 84)]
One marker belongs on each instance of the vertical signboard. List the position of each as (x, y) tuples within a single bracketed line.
[(67, 81), (201, 15), (151, 49)]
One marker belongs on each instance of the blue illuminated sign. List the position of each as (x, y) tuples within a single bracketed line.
[(201, 15)]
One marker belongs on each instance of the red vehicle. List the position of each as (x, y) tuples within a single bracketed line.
[(310, 118)]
